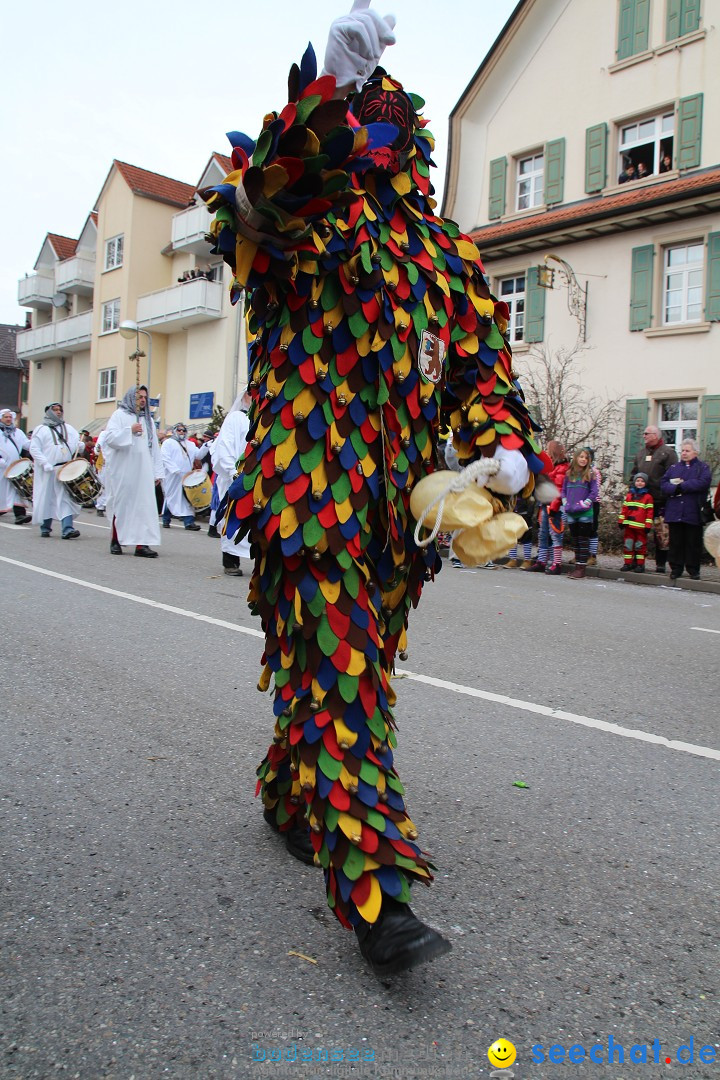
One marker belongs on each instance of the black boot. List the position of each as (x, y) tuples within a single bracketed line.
[(398, 940), (21, 515), (297, 839), (115, 548)]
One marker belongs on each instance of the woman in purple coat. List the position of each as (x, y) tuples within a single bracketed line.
[(686, 486)]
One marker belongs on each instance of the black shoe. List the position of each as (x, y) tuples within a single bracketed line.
[(23, 519), (674, 576), (115, 548), (625, 567), (193, 527), (694, 577), (297, 839), (44, 533), (639, 569), (232, 571), (660, 569), (142, 551), (212, 531), (398, 940), (71, 534), (100, 513), (166, 524)]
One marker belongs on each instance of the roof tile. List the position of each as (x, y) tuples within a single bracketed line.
[(63, 246)]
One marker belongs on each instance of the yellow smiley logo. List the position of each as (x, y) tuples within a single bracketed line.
[(502, 1054)]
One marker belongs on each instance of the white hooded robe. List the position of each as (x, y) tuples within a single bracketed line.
[(130, 471)]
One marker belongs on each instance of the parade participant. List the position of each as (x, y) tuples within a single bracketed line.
[(179, 456), (135, 467), (372, 315), (636, 521), (102, 453), (53, 443), (227, 451), (14, 444)]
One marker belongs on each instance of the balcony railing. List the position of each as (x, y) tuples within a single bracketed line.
[(76, 275), (54, 339), (189, 228), (36, 290), (170, 310)]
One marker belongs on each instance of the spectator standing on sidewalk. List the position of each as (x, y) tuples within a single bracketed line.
[(579, 492), (551, 525), (686, 486), (655, 458), (636, 521)]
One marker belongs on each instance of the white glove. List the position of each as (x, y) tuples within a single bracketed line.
[(48, 467), (355, 44), (513, 474)]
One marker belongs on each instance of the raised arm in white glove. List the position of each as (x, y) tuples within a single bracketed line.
[(355, 44)]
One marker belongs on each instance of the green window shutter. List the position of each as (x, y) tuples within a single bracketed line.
[(633, 27), (636, 415), (672, 25), (712, 287), (534, 307), (690, 16), (641, 29), (710, 431), (596, 158), (498, 175), (689, 129), (554, 171), (626, 22), (641, 287)]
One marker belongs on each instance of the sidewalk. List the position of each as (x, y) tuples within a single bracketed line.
[(608, 568)]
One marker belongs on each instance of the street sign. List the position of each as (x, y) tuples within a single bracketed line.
[(201, 406), (154, 402)]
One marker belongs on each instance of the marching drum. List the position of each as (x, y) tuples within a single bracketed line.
[(197, 486), (20, 475), (81, 481)]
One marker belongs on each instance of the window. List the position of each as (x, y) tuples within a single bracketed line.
[(113, 252), (529, 182), (683, 272), (110, 316), (512, 291), (678, 420), (647, 144), (107, 384)]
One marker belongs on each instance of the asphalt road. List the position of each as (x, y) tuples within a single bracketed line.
[(152, 926)]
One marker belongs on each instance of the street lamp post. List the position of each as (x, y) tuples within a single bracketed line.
[(130, 329)]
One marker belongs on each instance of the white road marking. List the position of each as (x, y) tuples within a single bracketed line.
[(8, 525), (573, 718), (92, 524), (442, 684), (704, 630), (250, 631)]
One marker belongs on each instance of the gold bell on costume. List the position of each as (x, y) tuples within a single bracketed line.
[(453, 501)]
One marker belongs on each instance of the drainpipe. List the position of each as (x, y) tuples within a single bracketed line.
[(240, 343)]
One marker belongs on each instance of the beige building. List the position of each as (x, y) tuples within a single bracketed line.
[(142, 256), (588, 136)]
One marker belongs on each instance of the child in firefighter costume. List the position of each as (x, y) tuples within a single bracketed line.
[(373, 321)]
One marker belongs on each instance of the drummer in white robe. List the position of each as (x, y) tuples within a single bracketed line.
[(14, 444), (227, 450), (133, 467), (53, 443), (179, 458)]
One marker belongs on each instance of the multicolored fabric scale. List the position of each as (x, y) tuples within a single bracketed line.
[(372, 319)]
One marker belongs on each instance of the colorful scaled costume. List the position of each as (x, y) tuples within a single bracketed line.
[(373, 320)]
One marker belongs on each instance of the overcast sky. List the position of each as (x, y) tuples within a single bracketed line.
[(157, 84)]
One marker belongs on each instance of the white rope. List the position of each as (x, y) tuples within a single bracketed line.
[(483, 467)]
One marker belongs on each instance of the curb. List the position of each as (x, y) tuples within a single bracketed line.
[(683, 584)]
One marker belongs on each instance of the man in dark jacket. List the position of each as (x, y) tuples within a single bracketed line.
[(655, 458), (686, 486)]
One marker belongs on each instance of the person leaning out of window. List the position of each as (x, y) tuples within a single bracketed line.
[(686, 486)]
